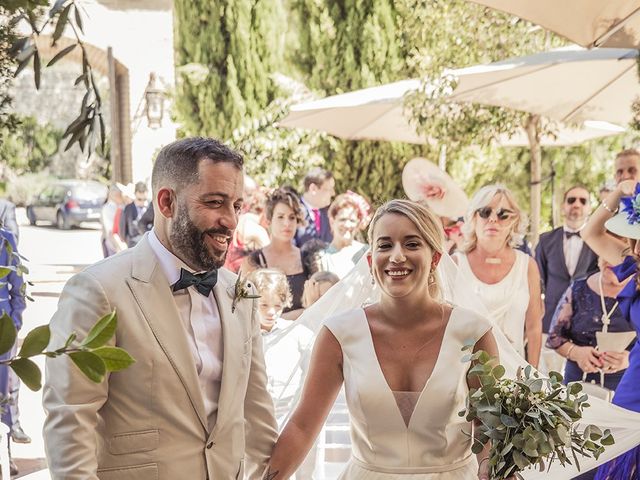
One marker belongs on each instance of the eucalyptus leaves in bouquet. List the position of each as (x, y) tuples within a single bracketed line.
[(528, 421)]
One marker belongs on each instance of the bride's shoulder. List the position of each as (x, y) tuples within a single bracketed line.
[(344, 321)]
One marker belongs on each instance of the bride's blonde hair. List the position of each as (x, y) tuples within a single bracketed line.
[(428, 224)]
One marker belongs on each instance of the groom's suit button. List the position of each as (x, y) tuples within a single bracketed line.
[(210, 445)]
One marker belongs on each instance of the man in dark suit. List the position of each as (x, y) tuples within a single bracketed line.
[(8, 217), (129, 230), (319, 189), (562, 255)]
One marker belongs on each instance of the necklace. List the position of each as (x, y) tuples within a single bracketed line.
[(606, 316), (493, 260)]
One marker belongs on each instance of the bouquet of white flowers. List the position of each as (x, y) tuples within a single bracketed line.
[(528, 420)]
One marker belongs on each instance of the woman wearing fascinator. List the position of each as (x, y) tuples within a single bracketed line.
[(504, 278), (619, 213)]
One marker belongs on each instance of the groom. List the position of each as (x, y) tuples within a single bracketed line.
[(194, 404)]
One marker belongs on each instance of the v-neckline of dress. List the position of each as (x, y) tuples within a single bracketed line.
[(384, 379)]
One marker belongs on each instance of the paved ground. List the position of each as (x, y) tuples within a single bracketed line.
[(54, 256)]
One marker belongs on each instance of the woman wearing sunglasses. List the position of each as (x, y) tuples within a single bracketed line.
[(506, 280)]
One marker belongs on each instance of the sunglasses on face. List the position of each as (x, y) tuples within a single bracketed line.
[(501, 213), (572, 200)]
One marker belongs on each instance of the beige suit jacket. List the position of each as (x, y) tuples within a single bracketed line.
[(149, 421)]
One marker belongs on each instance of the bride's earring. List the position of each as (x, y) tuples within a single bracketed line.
[(432, 278)]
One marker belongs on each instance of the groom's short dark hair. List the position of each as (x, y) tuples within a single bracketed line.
[(177, 163)]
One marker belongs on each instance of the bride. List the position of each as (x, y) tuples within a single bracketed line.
[(400, 362)]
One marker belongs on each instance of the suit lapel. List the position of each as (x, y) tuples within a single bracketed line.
[(584, 261), (557, 251), (151, 290), (232, 339)]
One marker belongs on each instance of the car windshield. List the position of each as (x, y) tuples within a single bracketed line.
[(89, 191)]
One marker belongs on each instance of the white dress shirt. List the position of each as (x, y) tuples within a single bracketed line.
[(572, 248), (201, 320)]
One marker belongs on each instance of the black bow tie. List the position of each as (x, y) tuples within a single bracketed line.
[(204, 282), (568, 235)]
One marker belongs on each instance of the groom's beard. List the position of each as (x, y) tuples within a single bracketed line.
[(191, 244)]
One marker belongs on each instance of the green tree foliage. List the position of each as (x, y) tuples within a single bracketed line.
[(28, 149), (35, 17), (226, 52), (279, 156), (8, 121), (347, 45)]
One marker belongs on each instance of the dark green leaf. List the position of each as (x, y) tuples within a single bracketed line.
[(608, 440), (520, 460), (4, 271), (8, 333), (114, 358), (28, 372), (498, 371), (80, 78), (36, 69), (508, 421), (76, 13), (62, 23), (90, 364), (102, 331), (35, 341), (23, 64), (61, 54)]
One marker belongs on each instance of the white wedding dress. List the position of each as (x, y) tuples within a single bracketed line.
[(413, 435)]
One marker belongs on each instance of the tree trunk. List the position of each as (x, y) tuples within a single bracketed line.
[(532, 127)]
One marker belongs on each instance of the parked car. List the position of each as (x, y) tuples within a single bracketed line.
[(66, 203)]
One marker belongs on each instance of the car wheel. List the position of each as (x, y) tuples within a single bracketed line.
[(61, 221), (31, 216)]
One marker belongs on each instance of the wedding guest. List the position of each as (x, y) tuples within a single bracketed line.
[(344, 251), (317, 286), (12, 302), (312, 254), (506, 279), (319, 189), (114, 201), (250, 235), (562, 257), (453, 237), (627, 165), (8, 218), (284, 214), (131, 214), (286, 343), (272, 286), (624, 252), (579, 316), (605, 189)]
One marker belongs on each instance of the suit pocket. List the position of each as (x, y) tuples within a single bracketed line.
[(148, 471), (134, 442)]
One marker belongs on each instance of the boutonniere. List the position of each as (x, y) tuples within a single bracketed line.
[(240, 290)]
